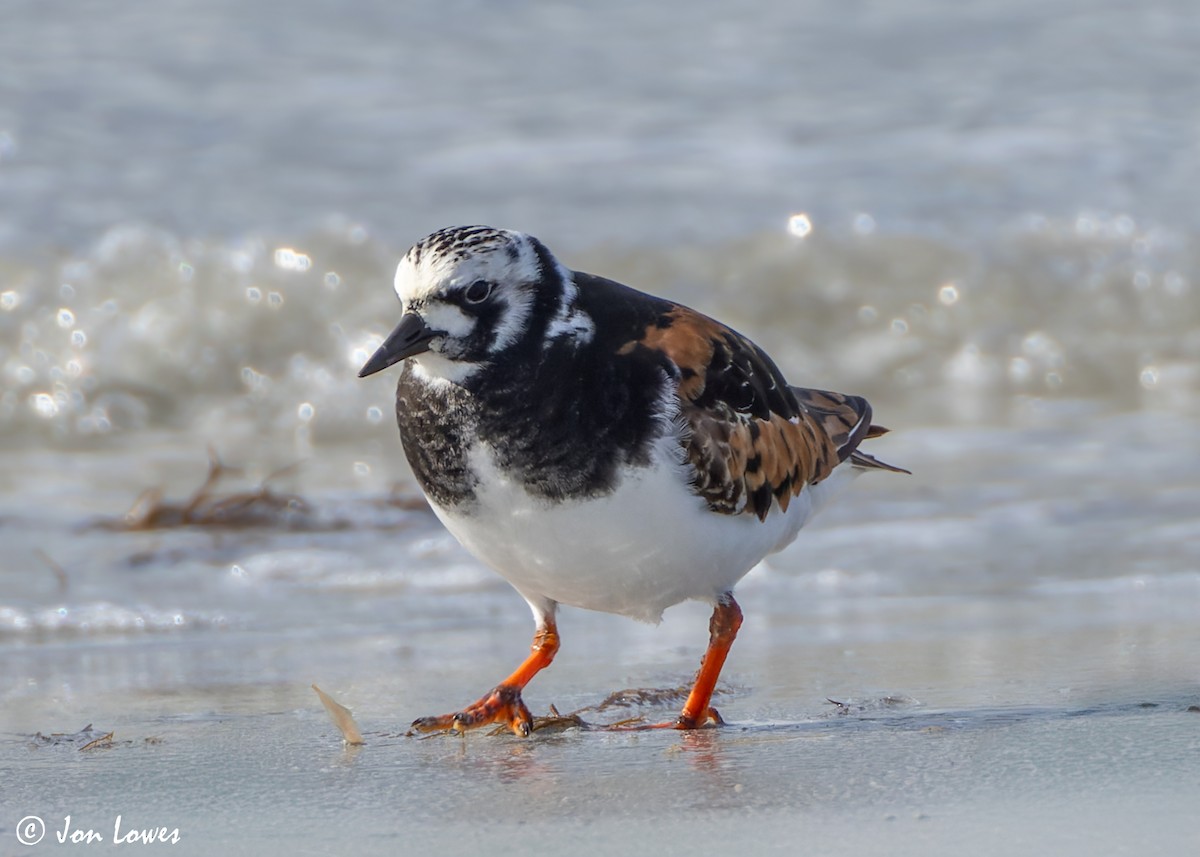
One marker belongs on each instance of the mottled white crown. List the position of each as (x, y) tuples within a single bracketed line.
[(460, 255)]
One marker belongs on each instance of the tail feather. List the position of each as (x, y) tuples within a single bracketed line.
[(847, 421), (869, 462)]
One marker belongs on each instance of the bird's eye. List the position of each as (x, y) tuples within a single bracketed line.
[(478, 292)]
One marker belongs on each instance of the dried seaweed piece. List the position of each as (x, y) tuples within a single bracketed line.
[(341, 717), (104, 741), (627, 723), (256, 507), (635, 696), (83, 739)]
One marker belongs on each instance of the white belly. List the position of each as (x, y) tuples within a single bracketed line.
[(650, 544)]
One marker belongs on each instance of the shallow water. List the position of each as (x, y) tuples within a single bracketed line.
[(977, 215), (645, 122)]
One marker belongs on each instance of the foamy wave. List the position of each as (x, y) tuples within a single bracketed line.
[(149, 330)]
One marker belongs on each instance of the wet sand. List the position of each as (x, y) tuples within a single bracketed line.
[(951, 663), (994, 740)]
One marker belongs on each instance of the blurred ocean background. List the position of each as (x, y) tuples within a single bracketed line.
[(981, 215)]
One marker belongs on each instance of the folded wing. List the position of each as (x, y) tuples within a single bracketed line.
[(752, 439)]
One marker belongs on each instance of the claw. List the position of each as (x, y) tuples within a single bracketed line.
[(502, 705), (710, 716)]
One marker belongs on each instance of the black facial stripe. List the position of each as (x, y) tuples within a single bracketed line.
[(552, 288)]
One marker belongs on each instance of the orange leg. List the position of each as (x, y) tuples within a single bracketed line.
[(503, 703), (722, 629)]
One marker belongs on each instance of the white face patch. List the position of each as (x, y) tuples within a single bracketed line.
[(519, 303), (447, 317), (434, 369)]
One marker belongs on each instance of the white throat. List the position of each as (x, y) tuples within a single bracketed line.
[(435, 370)]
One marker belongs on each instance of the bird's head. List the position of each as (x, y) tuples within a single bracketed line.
[(470, 294)]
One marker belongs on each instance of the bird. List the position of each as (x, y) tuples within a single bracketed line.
[(600, 447)]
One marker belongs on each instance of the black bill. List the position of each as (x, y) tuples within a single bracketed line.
[(410, 337)]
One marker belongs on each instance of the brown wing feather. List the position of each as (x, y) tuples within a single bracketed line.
[(753, 439)]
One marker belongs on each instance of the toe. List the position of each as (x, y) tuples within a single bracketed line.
[(502, 705), (434, 724), (520, 720)]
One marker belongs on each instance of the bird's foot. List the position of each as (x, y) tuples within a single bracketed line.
[(711, 715), (502, 705)]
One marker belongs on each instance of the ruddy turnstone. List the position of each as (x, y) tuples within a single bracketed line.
[(601, 447)]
